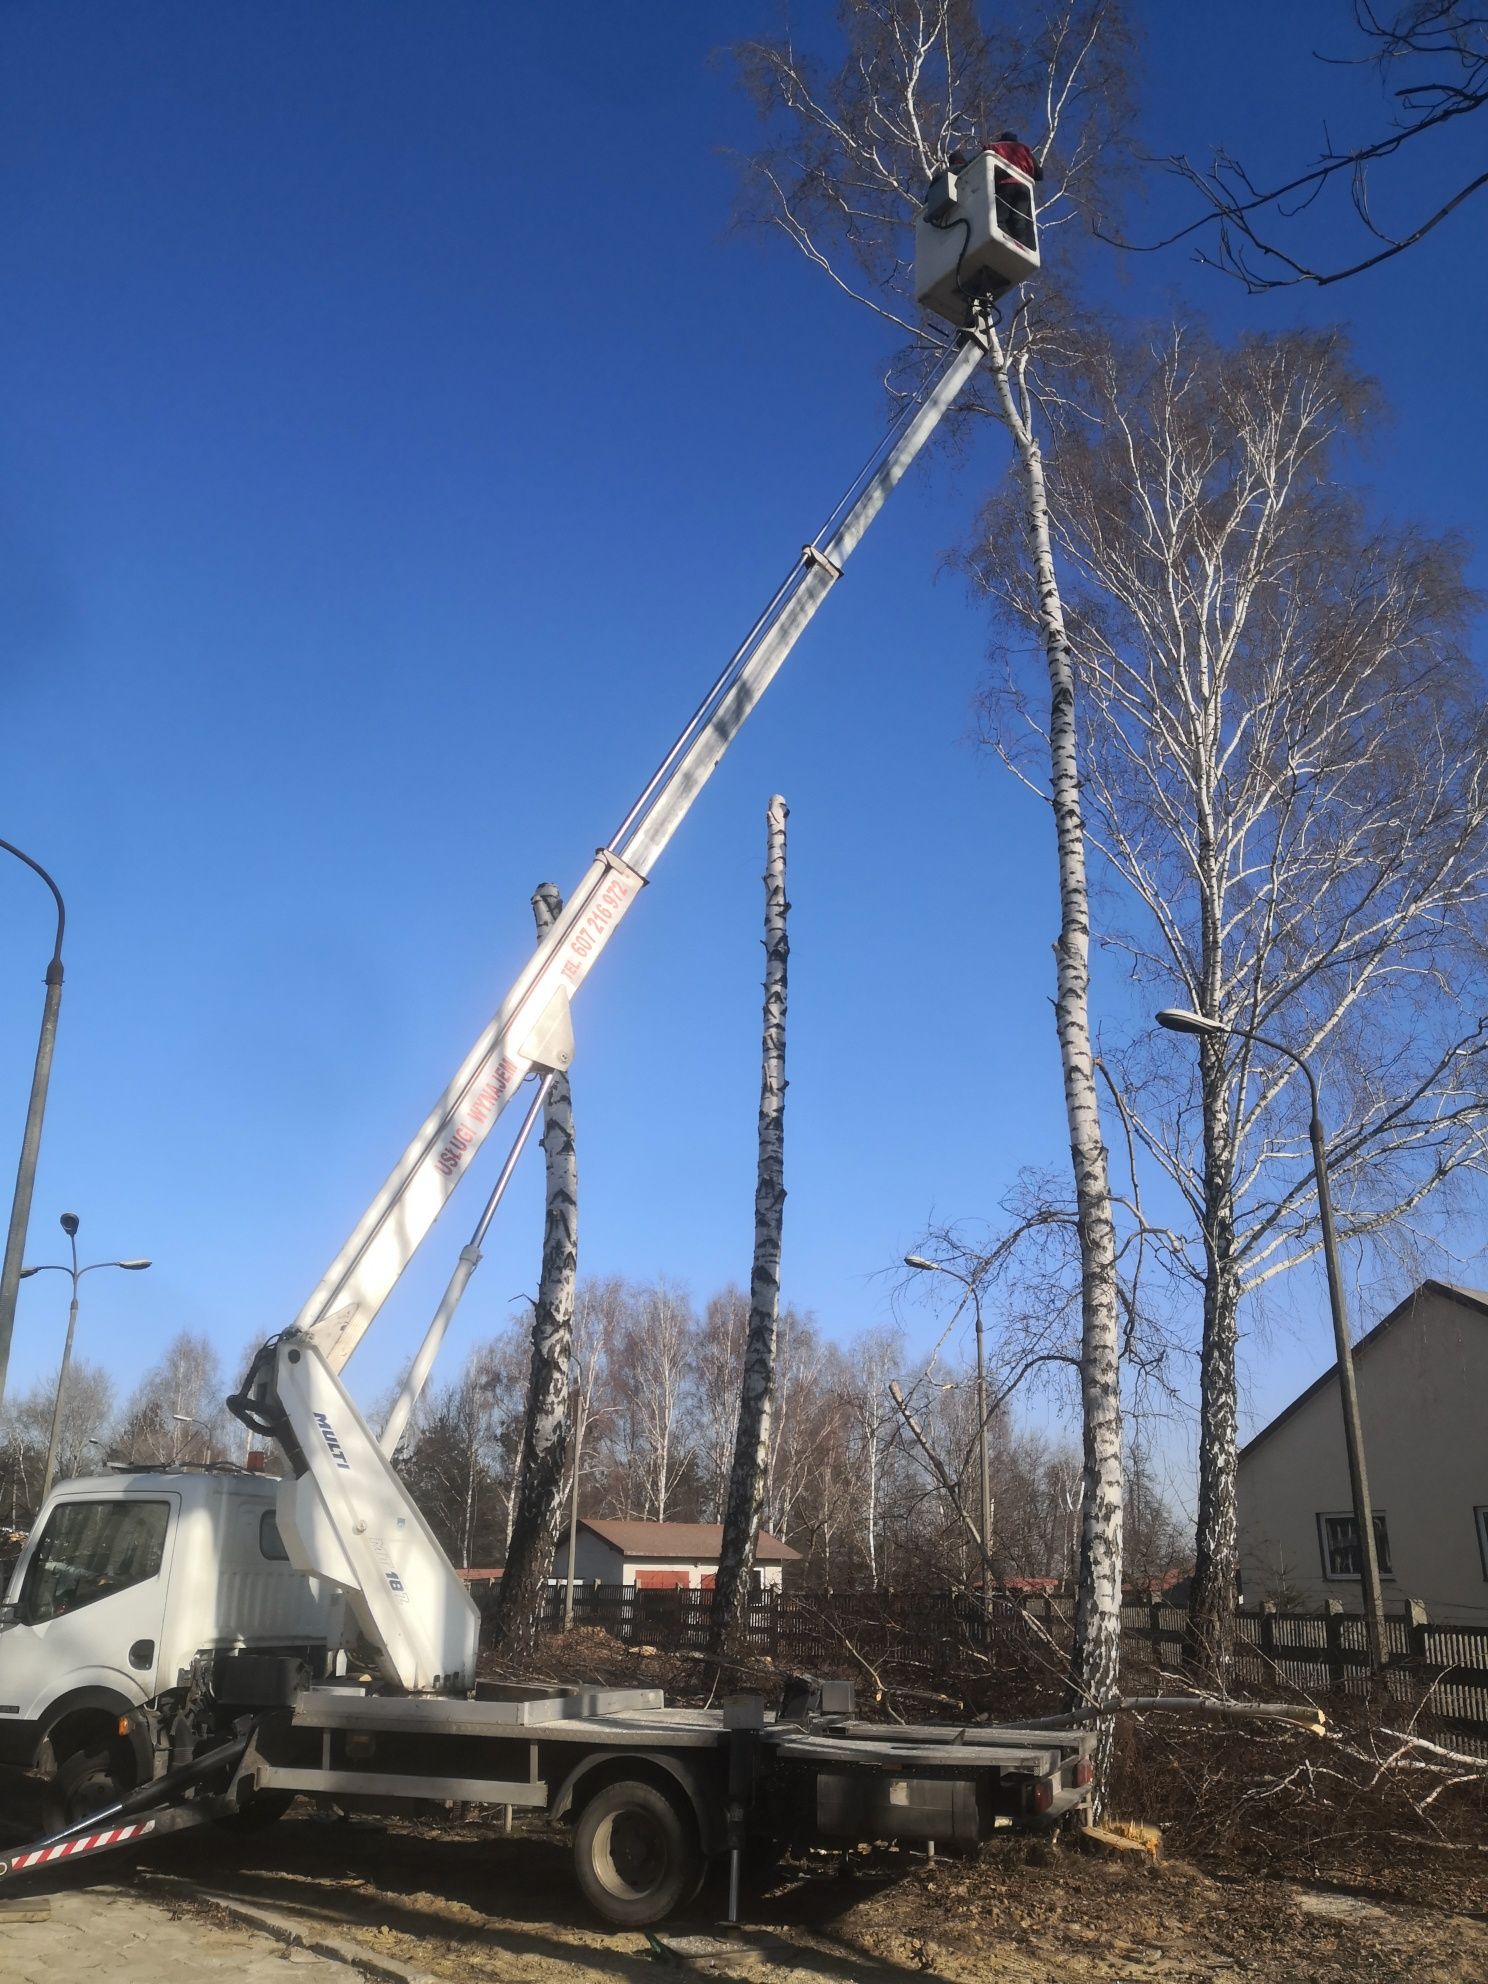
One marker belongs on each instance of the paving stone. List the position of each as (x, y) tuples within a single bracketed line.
[(105, 1934)]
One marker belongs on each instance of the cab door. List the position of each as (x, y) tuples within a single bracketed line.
[(91, 1603)]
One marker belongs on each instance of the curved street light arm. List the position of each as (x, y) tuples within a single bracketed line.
[(21, 855), (20, 1205)]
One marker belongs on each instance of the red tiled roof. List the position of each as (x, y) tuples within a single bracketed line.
[(684, 1542)]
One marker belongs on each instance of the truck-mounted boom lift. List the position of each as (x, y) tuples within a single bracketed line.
[(214, 1673), (345, 1514)]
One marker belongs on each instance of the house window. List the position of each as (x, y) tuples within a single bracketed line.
[(1338, 1537), (1481, 1517)]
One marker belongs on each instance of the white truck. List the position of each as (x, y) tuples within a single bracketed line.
[(179, 1647)]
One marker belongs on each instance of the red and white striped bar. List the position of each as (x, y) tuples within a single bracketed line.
[(71, 1849)]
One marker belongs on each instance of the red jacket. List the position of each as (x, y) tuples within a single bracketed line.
[(1016, 154)]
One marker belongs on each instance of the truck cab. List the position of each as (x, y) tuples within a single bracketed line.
[(126, 1581)]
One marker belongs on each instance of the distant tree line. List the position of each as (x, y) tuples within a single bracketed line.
[(658, 1390), (174, 1415), (657, 1394)]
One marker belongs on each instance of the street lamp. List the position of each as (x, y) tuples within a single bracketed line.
[(1177, 1020), (919, 1261), (190, 1419), (69, 1225), (20, 1205)]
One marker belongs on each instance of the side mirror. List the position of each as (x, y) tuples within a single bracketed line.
[(10, 1615)]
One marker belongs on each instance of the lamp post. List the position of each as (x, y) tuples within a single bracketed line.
[(190, 1419), (919, 1261), (1176, 1020), (69, 1225), (20, 1206)]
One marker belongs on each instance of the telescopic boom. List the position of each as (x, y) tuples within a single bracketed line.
[(344, 1512), (530, 1029)]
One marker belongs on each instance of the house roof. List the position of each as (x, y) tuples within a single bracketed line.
[(687, 1542), (1475, 1300)]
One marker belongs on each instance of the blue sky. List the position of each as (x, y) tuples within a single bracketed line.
[(396, 437)]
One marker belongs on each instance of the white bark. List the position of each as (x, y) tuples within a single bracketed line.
[(1284, 760), (717, 1361), (653, 1355), (746, 1495), (1097, 1649), (920, 80), (537, 1498)]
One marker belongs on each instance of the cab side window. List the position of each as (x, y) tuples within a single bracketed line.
[(90, 1550)]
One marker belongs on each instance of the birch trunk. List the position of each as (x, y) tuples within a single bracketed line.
[(539, 1491), (746, 1490), (1210, 1636), (1097, 1647), (1211, 1604)]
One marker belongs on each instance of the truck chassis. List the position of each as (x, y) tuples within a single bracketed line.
[(654, 1793)]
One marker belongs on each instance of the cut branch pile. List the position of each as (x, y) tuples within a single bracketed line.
[(1367, 1795)]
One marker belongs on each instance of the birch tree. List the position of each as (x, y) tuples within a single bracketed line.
[(749, 1478), (461, 1452), (1284, 756), (25, 1429), (175, 1412), (717, 1362), (597, 1308), (877, 1354), (801, 1422), (1431, 58), (653, 1363), (924, 78), (537, 1502)]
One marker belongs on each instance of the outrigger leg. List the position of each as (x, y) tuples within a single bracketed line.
[(117, 1826)]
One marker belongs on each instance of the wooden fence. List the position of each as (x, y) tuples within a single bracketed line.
[(800, 1628), (951, 1644), (1438, 1670)]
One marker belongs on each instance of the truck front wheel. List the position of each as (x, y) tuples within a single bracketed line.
[(637, 1853), (90, 1780)]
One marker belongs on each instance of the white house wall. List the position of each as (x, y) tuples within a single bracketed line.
[(1423, 1402)]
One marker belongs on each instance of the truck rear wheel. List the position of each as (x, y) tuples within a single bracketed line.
[(637, 1853)]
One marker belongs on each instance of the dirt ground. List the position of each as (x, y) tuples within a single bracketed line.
[(463, 1902), (1297, 1869)]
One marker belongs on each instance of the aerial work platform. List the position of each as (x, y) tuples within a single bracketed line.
[(976, 236)]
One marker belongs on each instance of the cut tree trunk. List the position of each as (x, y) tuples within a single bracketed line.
[(529, 1559), (747, 1479)]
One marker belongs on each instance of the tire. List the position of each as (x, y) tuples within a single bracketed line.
[(88, 1781), (637, 1854)]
